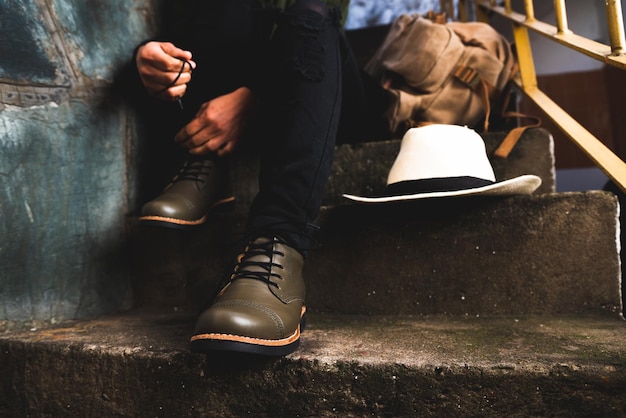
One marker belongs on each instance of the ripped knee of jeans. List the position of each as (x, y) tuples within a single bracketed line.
[(305, 40)]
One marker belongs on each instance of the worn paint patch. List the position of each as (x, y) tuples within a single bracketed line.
[(26, 48), (63, 194), (63, 165), (102, 35)]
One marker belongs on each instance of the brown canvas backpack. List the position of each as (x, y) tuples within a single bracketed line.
[(439, 72)]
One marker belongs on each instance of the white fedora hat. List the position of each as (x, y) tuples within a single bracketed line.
[(444, 161)]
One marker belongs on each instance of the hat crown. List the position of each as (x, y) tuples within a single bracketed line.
[(438, 161), (441, 151)]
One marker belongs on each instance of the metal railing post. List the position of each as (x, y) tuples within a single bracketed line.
[(561, 17), (529, 9), (507, 6), (616, 26), (525, 57)]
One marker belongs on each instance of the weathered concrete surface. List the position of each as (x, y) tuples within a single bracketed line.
[(543, 254), (551, 253), (62, 200), (138, 365), (66, 141), (70, 43), (28, 45), (99, 37), (533, 154)]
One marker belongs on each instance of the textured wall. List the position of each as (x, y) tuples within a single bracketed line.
[(364, 13), (65, 146)]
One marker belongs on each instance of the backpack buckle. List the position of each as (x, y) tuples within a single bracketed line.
[(467, 76)]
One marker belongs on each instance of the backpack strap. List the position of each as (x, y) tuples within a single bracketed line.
[(436, 17), (511, 139), (507, 144), (472, 79)]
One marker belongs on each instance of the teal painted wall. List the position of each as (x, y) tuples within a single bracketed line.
[(66, 151)]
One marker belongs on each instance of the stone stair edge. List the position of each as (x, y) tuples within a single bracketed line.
[(346, 365), (449, 340)]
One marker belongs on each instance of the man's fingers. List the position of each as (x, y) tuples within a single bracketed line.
[(201, 142), (193, 134), (165, 69), (213, 145), (176, 79), (174, 93), (167, 84), (175, 52), (164, 79), (165, 57), (226, 149), (181, 62)]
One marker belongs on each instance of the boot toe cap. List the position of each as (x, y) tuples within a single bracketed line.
[(241, 318), (175, 207)]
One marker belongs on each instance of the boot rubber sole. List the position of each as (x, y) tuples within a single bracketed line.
[(207, 343), (176, 223)]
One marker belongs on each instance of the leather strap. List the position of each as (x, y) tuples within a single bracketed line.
[(471, 78), (507, 144), (511, 139), (435, 17)]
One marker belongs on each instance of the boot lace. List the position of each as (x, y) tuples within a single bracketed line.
[(192, 170), (266, 250), (180, 72)]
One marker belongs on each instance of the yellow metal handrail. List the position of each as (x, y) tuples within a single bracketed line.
[(613, 54)]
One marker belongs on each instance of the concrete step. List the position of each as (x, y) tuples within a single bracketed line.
[(544, 254), (137, 365)]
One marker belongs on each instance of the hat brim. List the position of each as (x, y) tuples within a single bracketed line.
[(522, 185)]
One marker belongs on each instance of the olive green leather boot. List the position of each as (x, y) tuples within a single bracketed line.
[(261, 308), (200, 186)]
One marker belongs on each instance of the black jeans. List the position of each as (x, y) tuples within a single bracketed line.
[(300, 66)]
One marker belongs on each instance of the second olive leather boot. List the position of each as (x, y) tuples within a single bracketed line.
[(200, 186)]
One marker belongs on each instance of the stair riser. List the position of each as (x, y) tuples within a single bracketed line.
[(549, 254), (553, 253)]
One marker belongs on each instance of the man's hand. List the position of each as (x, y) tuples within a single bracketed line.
[(219, 124), (159, 64)]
